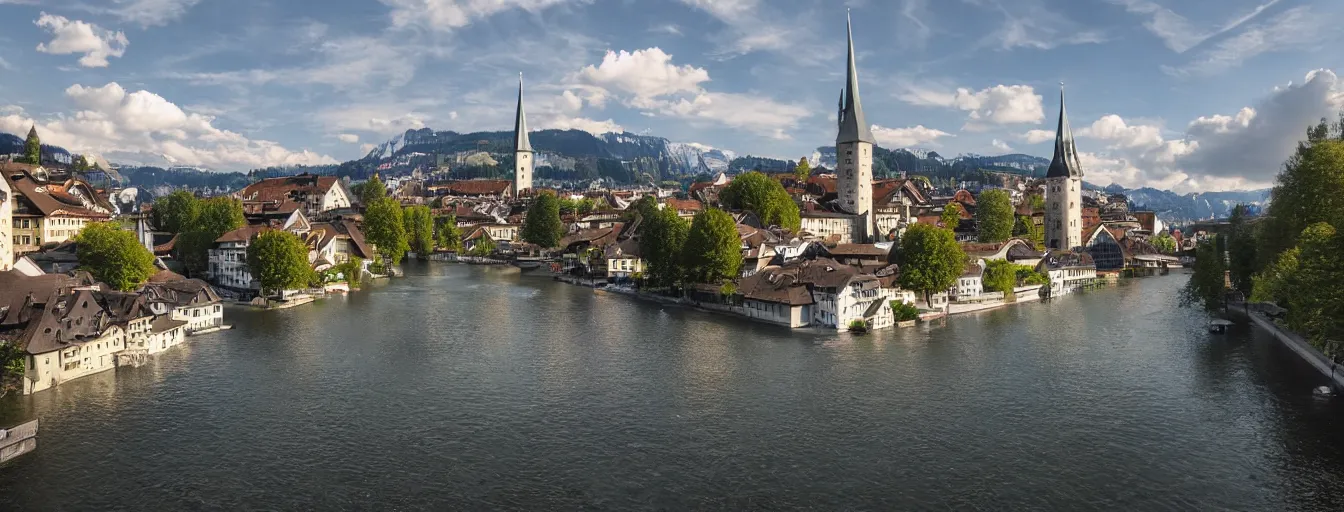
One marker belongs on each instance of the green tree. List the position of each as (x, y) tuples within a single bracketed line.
[(352, 271), (1207, 286), (1164, 242), (485, 246), (447, 236), (385, 229), (215, 216), (586, 206), (951, 217), (1307, 192), (661, 241), (542, 225), (930, 260), (1026, 228), (82, 164), (1241, 251), (114, 256), (279, 259), (645, 206), (419, 223), (176, 212), (713, 250), (803, 171), (994, 216), (32, 148), (372, 191), (1000, 276), (756, 192), (1278, 281), (1317, 306)]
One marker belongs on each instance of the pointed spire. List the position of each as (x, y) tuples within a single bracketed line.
[(1065, 164), (520, 139), (853, 125)]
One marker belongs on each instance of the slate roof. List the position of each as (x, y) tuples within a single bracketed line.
[(521, 142), (1065, 163), (853, 125)]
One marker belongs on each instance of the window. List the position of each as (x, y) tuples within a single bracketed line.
[(849, 161)]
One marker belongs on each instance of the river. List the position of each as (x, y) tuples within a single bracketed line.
[(464, 388)]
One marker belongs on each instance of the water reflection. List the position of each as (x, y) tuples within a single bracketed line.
[(469, 388)]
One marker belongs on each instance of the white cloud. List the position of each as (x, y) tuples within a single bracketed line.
[(998, 105), (146, 13), (1001, 145), (580, 123), (348, 138), (74, 36), (1176, 31), (648, 80), (349, 63), (451, 14), (645, 73), (667, 28), (1037, 136), (144, 126), (1218, 152), (1290, 30), (908, 137)]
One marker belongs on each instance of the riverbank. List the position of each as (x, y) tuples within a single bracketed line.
[(1300, 346)]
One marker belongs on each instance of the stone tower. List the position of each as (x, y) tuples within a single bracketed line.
[(854, 154), (1064, 190), (522, 149)]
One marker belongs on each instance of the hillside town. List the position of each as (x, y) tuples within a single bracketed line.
[(89, 283)]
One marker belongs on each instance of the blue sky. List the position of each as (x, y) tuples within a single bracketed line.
[(1188, 95)]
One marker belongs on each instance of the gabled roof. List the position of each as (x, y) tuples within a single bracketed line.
[(243, 234), (47, 198), (279, 190), (1065, 164), (479, 187)]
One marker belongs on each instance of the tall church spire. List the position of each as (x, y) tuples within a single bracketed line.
[(853, 125), (1065, 164), (520, 140)]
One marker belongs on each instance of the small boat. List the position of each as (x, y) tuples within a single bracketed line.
[(1219, 326), (1323, 391)]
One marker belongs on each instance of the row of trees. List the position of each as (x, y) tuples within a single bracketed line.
[(705, 250), (1294, 255), (197, 224)]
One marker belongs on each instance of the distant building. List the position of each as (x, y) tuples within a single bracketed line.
[(314, 194), (44, 211), (524, 157)]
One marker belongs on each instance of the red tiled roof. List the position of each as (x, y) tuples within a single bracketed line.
[(684, 205), (279, 190), (478, 187), (242, 234)]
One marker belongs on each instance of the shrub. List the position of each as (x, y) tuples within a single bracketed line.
[(903, 311)]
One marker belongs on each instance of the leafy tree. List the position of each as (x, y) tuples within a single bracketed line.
[(756, 192), (586, 206), (1277, 282), (1207, 286), (1316, 307), (176, 212), (930, 260), (662, 239), (1000, 276), (994, 216), (352, 271), (1241, 251), (215, 216), (32, 148), (372, 191), (419, 223), (904, 311), (645, 206), (384, 227), (1026, 228), (447, 236), (1164, 243), (803, 170), (1307, 192), (542, 225), (951, 217), (713, 250), (1037, 202), (279, 259), (82, 164), (114, 256), (484, 247)]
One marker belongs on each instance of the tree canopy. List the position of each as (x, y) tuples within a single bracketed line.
[(951, 217), (713, 250), (661, 242), (385, 229), (930, 260), (279, 259), (214, 217), (994, 216), (1241, 251), (114, 256), (1307, 192), (32, 148), (756, 192), (447, 236), (372, 191), (1164, 243), (1206, 288), (176, 212), (419, 221), (542, 225), (803, 171)]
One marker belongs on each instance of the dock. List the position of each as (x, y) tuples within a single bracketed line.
[(18, 440)]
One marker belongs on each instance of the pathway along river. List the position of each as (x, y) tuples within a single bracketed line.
[(461, 388)]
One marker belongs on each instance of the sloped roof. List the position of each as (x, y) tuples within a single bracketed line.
[(858, 250), (1065, 163), (49, 199), (853, 125), (243, 234), (279, 190), (684, 205), (478, 187)]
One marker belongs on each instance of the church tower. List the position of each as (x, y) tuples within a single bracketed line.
[(522, 149), (1064, 190), (854, 154)]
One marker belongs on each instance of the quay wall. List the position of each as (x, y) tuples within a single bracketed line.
[(1298, 345)]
